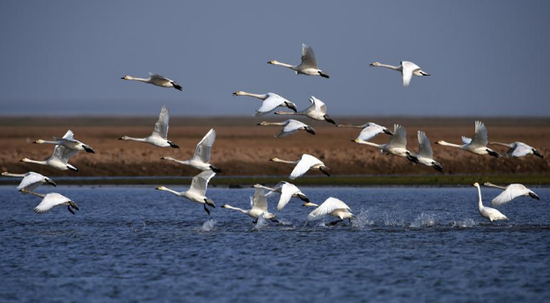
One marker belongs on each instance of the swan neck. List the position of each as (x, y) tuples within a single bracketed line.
[(369, 143), (495, 186), (6, 174), (34, 161), (259, 96), (284, 161), (480, 203), (444, 143), (398, 68), (172, 191), (236, 208), (500, 143), (46, 141), (133, 139), (137, 79), (351, 126), (284, 65), (274, 123)]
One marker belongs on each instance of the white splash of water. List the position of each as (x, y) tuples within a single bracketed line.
[(464, 223), (362, 220), (208, 226), (260, 223), (424, 220)]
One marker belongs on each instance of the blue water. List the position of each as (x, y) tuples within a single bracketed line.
[(135, 244)]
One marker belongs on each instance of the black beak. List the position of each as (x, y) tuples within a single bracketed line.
[(122, 78)]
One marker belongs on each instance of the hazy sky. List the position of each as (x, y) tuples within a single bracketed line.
[(487, 58)]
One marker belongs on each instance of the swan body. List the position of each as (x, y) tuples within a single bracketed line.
[(316, 111), (305, 163), (31, 180), (511, 192), (519, 149), (197, 190), (287, 191), (68, 141), (488, 212), (270, 102), (291, 126), (258, 206), (159, 137), (397, 145), (157, 80), (308, 66), (332, 207), (407, 69), (52, 200), (201, 158), (425, 153), (369, 130), (59, 159), (477, 145)]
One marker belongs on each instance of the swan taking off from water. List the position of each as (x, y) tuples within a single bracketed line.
[(52, 200), (303, 165), (197, 190), (201, 158), (407, 69), (519, 149), (316, 111), (258, 206), (370, 130), (332, 207), (397, 145), (270, 102), (488, 212), (59, 159), (287, 191), (159, 137), (477, 145), (425, 153), (157, 80), (290, 127), (68, 141), (308, 66), (31, 180), (511, 192)]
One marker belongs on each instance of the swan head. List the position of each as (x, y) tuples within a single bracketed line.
[(309, 204), (475, 184), (39, 141), (375, 64), (24, 160), (274, 159), (124, 138), (224, 206), (126, 77), (272, 62), (161, 188), (263, 123), (238, 93), (439, 142)]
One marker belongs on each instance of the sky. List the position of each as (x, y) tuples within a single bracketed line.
[(66, 58)]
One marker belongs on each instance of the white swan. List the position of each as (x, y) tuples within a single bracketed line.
[(316, 111), (519, 149), (488, 212), (425, 153), (31, 180), (511, 192), (303, 165), (397, 145), (59, 159), (308, 66), (370, 130), (477, 145), (290, 127), (286, 190), (201, 158), (69, 142), (157, 80), (52, 200), (270, 102), (332, 207), (407, 69), (159, 137), (258, 206), (197, 190)]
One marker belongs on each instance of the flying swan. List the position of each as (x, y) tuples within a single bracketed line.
[(316, 111), (157, 80), (511, 192), (258, 206), (159, 137), (52, 200), (397, 145), (332, 207), (59, 159), (201, 158), (303, 165), (270, 102), (290, 127), (68, 141), (407, 69), (308, 66), (488, 212), (287, 191), (425, 153), (369, 130), (31, 180), (477, 145), (197, 190), (519, 149)]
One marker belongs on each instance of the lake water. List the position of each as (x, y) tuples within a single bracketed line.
[(135, 244)]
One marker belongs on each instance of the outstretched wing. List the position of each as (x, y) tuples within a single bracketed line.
[(308, 57), (424, 147), (510, 193), (287, 191), (199, 183), (291, 127), (327, 207), (399, 138), (305, 163), (157, 77), (520, 150), (260, 200), (320, 106), (480, 135), (466, 140), (270, 103), (31, 181), (407, 70), (50, 201), (370, 131), (161, 127), (204, 148), (62, 153)]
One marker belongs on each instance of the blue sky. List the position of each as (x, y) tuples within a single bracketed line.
[(487, 58)]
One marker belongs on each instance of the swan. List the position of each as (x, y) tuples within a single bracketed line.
[(303, 165), (52, 200), (425, 153), (197, 190), (316, 111), (308, 66), (159, 137), (270, 102), (59, 159), (488, 212), (332, 207), (407, 69), (68, 141), (477, 145), (397, 145), (258, 206), (31, 180), (370, 130), (511, 192), (519, 149), (202, 154), (290, 127), (287, 191), (157, 80)]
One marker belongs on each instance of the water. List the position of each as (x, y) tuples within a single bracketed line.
[(135, 244)]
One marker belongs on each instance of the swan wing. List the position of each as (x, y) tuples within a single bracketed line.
[(270, 103), (31, 181), (520, 150), (466, 140), (199, 183), (287, 191), (161, 127), (480, 135), (260, 200), (69, 135), (399, 138), (511, 192), (157, 77), (370, 131), (327, 207), (319, 106), (407, 70), (291, 127), (305, 163), (424, 147), (308, 57), (62, 153), (50, 201), (204, 148)]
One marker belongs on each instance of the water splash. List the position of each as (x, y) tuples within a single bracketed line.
[(208, 226), (464, 223), (260, 223), (362, 220), (424, 220)]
